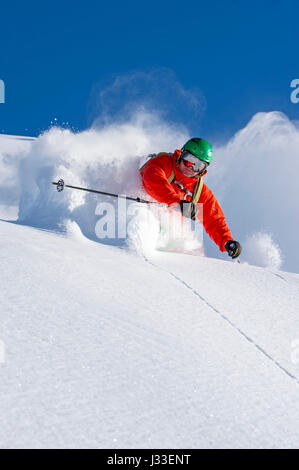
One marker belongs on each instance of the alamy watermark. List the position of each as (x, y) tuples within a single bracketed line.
[(2, 91), (121, 220), (295, 351), (2, 352), (295, 93)]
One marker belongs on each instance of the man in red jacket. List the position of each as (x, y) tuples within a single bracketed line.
[(176, 179)]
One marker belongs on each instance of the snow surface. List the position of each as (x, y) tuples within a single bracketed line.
[(107, 349), (118, 344)]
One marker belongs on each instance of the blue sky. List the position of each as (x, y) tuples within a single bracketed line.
[(236, 58)]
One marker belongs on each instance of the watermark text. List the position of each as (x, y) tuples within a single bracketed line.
[(121, 220), (2, 92), (295, 351), (295, 93), (2, 352)]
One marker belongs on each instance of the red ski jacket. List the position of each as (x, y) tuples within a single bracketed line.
[(155, 176)]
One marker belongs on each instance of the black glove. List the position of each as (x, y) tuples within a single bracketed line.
[(188, 209), (233, 248)]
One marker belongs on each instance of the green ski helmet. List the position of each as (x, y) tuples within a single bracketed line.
[(200, 148)]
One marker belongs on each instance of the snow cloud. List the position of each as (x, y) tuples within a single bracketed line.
[(12, 150), (260, 249), (254, 176), (105, 158), (157, 91)]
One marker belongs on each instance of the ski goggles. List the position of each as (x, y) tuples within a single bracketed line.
[(190, 161)]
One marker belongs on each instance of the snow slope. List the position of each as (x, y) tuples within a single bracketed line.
[(122, 346), (107, 349)]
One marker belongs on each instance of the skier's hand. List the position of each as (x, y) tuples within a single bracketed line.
[(188, 209), (233, 248)]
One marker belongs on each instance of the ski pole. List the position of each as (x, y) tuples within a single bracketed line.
[(61, 185)]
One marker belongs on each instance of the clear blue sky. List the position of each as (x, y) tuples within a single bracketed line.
[(56, 57)]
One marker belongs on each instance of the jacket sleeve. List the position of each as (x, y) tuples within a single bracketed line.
[(155, 180), (213, 219)]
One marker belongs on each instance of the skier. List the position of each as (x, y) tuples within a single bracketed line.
[(176, 179)]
